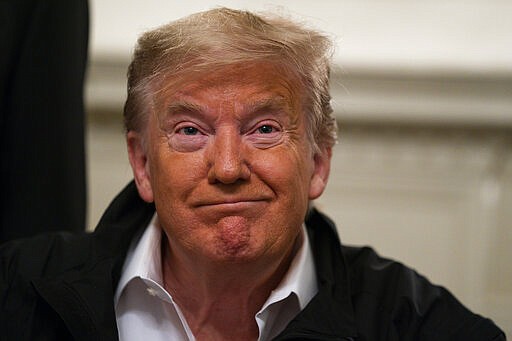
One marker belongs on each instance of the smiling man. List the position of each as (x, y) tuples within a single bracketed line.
[(224, 154), (229, 133)]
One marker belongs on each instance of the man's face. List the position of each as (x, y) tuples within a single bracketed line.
[(228, 164)]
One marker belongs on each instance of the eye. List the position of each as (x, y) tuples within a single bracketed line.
[(187, 137), (188, 131), (266, 129), (266, 134)]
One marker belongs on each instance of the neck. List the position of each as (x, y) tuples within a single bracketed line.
[(215, 297)]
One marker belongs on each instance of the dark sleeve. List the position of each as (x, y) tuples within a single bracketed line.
[(43, 48), (428, 312), (394, 302)]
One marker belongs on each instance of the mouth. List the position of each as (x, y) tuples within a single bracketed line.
[(230, 202), (218, 207), (226, 202)]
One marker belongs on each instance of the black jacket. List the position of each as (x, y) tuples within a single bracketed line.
[(61, 286)]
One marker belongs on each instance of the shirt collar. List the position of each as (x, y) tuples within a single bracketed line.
[(300, 278), (144, 260)]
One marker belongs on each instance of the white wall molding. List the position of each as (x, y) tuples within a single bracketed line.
[(423, 97), (105, 88), (368, 96)]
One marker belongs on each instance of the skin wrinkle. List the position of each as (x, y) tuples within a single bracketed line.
[(272, 107), (163, 83)]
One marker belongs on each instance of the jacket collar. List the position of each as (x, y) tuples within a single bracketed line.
[(83, 296), (330, 314)]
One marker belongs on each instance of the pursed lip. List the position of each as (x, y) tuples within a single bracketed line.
[(230, 202)]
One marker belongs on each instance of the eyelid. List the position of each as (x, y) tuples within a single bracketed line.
[(181, 142), (269, 122), (184, 124)]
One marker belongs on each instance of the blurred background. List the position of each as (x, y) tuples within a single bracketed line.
[(423, 97)]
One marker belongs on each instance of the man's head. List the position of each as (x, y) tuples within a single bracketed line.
[(208, 40), (229, 132)]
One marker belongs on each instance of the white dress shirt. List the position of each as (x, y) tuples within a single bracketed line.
[(146, 311)]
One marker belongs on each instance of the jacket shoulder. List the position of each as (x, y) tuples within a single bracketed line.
[(406, 305), (24, 262), (46, 255)]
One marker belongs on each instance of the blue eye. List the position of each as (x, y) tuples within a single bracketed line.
[(266, 129), (189, 131)]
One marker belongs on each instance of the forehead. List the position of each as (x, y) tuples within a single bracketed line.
[(253, 84)]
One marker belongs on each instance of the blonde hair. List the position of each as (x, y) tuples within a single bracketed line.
[(220, 37)]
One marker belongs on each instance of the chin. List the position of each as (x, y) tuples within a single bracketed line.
[(234, 250)]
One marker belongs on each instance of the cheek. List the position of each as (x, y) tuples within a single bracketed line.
[(174, 174), (286, 170)]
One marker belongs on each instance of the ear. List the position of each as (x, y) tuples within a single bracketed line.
[(140, 167), (322, 167)]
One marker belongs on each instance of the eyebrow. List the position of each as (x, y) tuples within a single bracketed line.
[(184, 107), (275, 104)]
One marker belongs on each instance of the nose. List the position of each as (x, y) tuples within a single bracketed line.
[(227, 160)]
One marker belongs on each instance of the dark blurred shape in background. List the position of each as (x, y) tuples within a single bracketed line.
[(43, 56)]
